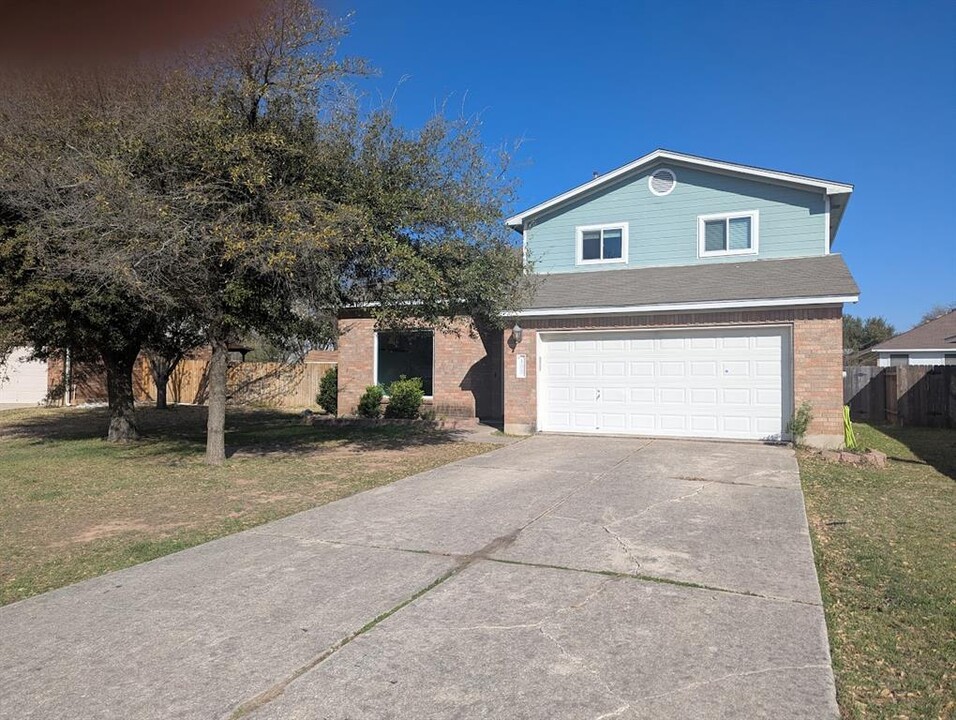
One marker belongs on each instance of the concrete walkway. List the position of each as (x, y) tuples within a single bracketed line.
[(558, 577)]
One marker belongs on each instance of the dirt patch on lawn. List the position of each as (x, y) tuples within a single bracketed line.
[(114, 528)]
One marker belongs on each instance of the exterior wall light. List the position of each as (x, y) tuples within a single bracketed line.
[(517, 332)]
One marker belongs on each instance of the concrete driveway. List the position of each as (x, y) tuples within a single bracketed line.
[(559, 577)]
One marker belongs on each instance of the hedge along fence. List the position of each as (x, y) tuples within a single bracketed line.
[(270, 384)]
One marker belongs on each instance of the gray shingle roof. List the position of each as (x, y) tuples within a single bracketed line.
[(937, 334), (822, 276)]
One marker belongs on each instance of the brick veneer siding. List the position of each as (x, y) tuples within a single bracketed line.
[(467, 370), (817, 359)]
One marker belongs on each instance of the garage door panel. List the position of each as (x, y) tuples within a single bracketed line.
[(641, 395), (673, 422), (735, 396), (769, 397), (704, 423), (671, 369), (641, 344), (558, 394), (736, 424), (735, 343), (703, 368), (613, 369), (673, 395), (735, 368), (767, 341), (557, 369), (614, 395), (730, 382)]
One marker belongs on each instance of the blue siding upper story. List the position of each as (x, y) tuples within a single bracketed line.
[(663, 230)]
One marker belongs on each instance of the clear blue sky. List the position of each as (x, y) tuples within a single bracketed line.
[(860, 92)]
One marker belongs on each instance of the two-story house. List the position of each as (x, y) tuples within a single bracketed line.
[(677, 296)]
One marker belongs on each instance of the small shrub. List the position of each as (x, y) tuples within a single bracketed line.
[(797, 427), (404, 398), (328, 396), (370, 404)]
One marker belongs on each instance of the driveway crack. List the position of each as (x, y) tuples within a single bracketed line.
[(580, 662), (277, 689), (730, 676), (697, 491)]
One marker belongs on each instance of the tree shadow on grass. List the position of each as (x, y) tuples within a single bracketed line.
[(181, 430), (933, 446)]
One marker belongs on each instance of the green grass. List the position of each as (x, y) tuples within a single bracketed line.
[(73, 506), (885, 546)]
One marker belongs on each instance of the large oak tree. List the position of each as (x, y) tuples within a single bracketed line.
[(245, 189)]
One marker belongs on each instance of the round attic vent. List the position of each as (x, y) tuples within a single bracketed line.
[(662, 182)]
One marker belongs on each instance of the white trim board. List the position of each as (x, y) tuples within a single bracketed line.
[(828, 186), (676, 307)]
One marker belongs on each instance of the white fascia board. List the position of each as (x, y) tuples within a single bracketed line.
[(687, 307), (830, 187), (894, 351)]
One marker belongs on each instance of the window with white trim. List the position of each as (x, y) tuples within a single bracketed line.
[(602, 244), (727, 234)]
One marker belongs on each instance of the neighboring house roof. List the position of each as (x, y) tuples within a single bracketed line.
[(938, 334), (837, 191), (757, 283)]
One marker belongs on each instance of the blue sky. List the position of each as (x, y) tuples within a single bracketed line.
[(860, 92)]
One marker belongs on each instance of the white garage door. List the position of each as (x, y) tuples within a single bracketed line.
[(22, 381), (716, 383)]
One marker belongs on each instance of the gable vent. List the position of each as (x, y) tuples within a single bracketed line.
[(662, 182)]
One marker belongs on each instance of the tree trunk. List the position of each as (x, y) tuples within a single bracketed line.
[(161, 368), (119, 390), (216, 424), (161, 381)]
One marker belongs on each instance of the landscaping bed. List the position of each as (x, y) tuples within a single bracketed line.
[(885, 546), (73, 506)]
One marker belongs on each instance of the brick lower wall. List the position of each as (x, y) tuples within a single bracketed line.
[(817, 359), (467, 370)]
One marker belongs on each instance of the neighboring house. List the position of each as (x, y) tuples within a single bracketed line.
[(23, 381), (932, 343), (677, 296)]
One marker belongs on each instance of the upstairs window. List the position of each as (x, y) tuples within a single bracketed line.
[(602, 244), (727, 234)]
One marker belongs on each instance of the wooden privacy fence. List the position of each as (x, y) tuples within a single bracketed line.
[(912, 395), (249, 383)]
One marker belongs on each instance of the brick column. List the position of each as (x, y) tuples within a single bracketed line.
[(818, 374), (356, 355), (520, 393)]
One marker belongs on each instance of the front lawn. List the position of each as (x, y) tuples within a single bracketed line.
[(73, 506), (885, 545)]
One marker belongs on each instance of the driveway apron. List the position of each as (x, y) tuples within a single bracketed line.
[(558, 577)]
